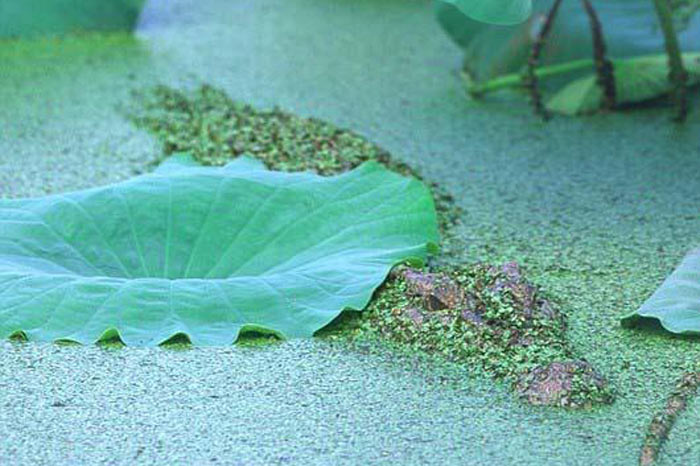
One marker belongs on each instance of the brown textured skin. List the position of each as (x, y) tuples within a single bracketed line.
[(437, 291), (442, 298), (551, 385)]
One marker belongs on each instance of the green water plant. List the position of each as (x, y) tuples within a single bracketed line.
[(501, 57), (676, 304), (206, 252), (638, 80)]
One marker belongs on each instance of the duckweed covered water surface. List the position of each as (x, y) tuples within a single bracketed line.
[(597, 210)]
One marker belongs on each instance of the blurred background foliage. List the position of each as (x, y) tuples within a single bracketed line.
[(637, 57), (631, 28), (34, 18)]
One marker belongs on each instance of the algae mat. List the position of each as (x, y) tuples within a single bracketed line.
[(599, 210)]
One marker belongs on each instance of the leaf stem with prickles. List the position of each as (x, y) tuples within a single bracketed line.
[(603, 66), (529, 79), (678, 74)]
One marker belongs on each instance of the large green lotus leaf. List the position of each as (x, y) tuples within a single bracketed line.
[(206, 252), (636, 80), (503, 12), (631, 29), (58, 17), (676, 304)]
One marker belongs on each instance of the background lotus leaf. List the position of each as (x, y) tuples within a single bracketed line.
[(636, 80), (502, 12), (631, 28)]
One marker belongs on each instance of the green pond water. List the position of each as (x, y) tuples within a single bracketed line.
[(599, 210)]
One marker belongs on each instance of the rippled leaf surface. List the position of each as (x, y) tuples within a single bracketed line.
[(206, 252), (676, 304)]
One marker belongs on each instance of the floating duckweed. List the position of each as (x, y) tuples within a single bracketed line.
[(214, 129)]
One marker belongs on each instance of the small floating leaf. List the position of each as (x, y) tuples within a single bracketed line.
[(676, 304), (636, 80), (206, 252)]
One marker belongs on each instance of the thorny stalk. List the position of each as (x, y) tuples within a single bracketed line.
[(530, 77), (603, 66), (678, 74)]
